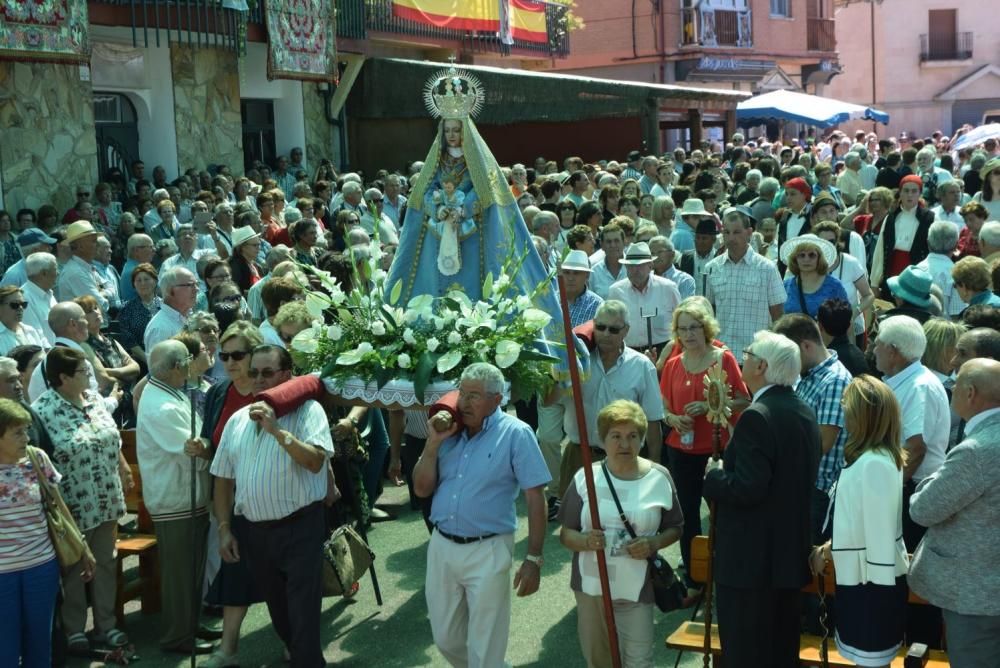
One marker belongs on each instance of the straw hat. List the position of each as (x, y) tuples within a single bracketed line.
[(825, 247)]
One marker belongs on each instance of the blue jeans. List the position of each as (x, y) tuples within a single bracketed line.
[(378, 439), (27, 606)]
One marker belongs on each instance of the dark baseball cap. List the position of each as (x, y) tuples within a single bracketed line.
[(32, 236)]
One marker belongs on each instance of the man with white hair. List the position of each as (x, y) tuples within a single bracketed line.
[(350, 198), (151, 220), (651, 301), (31, 240), (475, 472), (849, 180), (545, 224), (942, 237), (43, 271), (762, 207), (394, 201), (166, 454), (764, 481), (955, 565), (138, 250), (868, 172), (179, 289), (387, 233), (648, 178), (989, 242), (923, 403), (663, 253), (949, 196)]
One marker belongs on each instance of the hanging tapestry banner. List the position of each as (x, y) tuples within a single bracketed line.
[(52, 30), (302, 40)]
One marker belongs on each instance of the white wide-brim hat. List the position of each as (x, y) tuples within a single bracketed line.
[(825, 247)]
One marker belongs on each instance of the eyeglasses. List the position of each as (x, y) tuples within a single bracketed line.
[(689, 330), (18, 306), (807, 255), (608, 328), (230, 299), (376, 201), (186, 285), (263, 373), (236, 355), (749, 353), (208, 329)]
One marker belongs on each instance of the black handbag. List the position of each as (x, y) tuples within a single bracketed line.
[(668, 591)]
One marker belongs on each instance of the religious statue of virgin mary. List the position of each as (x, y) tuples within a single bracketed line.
[(462, 221)]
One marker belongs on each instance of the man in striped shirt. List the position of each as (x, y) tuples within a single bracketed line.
[(278, 467)]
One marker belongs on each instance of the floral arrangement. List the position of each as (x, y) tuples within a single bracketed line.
[(371, 336)]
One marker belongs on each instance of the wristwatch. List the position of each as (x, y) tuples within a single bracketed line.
[(535, 559)]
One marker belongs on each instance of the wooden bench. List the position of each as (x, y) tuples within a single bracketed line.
[(690, 637), (146, 586)]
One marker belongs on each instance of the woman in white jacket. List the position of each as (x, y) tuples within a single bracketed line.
[(867, 544)]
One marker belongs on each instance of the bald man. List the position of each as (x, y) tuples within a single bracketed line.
[(955, 565)]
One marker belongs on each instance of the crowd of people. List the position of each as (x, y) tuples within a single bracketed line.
[(844, 289)]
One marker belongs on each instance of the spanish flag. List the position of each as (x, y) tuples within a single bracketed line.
[(527, 18)]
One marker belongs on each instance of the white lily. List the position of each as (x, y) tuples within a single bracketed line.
[(535, 319), (507, 353), (316, 304), (449, 361), (404, 361)]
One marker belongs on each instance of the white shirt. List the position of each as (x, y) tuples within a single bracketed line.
[(660, 297), (270, 485), (40, 302), (601, 278), (979, 417), (685, 283), (952, 217), (166, 323), (24, 335), (164, 424), (924, 406), (906, 224), (386, 230), (254, 300), (848, 272), (190, 263), (38, 383), (796, 222), (78, 278), (632, 376), (939, 266)]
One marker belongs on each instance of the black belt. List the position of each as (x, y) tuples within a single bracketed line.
[(287, 519), (463, 540)]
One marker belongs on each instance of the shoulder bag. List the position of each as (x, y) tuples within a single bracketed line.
[(668, 591), (346, 557), (67, 540)]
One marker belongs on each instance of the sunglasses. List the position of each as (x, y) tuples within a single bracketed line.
[(17, 306), (807, 255), (263, 373), (608, 328), (236, 355), (230, 298), (208, 329)]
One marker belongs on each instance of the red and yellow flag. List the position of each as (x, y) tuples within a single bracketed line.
[(527, 18)]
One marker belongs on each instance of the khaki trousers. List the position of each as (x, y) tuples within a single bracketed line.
[(178, 555), (550, 437), (634, 622), (468, 599), (103, 587)]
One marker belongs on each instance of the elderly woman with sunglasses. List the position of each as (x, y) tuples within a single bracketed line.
[(809, 258), (13, 332), (231, 585)]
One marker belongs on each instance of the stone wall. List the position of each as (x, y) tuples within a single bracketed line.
[(320, 135), (207, 108), (47, 140)]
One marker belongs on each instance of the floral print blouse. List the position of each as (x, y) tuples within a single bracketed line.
[(86, 453)]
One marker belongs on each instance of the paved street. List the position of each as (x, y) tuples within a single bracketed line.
[(543, 630)]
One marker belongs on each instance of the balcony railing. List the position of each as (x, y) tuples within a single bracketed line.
[(357, 19), (716, 27), (821, 34), (949, 46), (193, 23)]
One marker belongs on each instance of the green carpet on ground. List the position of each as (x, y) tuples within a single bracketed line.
[(360, 633)]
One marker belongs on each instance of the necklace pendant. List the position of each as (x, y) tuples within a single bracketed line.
[(688, 382)]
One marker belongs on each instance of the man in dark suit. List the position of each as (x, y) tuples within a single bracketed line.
[(762, 491)]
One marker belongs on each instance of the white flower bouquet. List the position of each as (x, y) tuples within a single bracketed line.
[(372, 337)]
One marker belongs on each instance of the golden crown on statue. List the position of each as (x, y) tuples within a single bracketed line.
[(453, 94)]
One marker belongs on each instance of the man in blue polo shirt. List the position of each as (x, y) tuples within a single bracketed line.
[(474, 473)]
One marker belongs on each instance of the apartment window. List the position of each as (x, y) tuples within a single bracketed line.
[(781, 8)]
